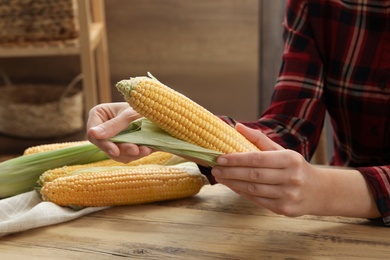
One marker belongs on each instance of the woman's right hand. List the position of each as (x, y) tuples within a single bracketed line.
[(107, 120)]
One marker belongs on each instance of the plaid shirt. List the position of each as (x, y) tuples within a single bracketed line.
[(336, 59)]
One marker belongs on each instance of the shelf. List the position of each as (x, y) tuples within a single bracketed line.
[(91, 46), (55, 48)]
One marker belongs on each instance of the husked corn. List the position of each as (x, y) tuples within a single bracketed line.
[(122, 186), (181, 117), (158, 158), (52, 147)]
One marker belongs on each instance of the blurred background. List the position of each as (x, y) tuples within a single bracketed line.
[(223, 54)]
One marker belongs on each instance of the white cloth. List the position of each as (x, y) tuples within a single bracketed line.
[(27, 210)]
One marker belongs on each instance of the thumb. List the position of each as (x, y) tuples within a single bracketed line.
[(257, 137), (109, 128)]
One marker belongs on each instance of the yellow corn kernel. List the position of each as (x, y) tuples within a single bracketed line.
[(158, 158), (51, 147), (181, 117), (122, 186), (52, 174)]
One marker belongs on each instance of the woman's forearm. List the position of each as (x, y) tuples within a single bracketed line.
[(344, 193)]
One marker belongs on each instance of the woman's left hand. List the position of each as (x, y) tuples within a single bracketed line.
[(278, 179)]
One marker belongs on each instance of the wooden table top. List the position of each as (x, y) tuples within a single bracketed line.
[(214, 224)]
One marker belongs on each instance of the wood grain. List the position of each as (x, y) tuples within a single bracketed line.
[(207, 50), (215, 224)]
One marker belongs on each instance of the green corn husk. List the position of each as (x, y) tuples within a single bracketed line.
[(144, 132), (20, 174)]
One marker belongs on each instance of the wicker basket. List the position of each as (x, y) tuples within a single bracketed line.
[(29, 21), (41, 111)]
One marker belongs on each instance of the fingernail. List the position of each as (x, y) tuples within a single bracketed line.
[(222, 161), (110, 152), (98, 129)]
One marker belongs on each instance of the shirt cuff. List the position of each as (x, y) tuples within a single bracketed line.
[(206, 171), (377, 179)]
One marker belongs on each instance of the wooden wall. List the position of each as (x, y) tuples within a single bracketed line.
[(209, 50), (206, 49)]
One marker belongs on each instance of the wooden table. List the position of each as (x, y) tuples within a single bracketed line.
[(215, 224)]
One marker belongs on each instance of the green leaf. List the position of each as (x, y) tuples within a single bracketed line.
[(144, 132), (20, 174)]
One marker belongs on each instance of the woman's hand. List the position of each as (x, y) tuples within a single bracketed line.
[(284, 182), (278, 179), (106, 121)]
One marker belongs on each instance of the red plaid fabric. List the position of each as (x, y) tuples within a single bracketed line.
[(336, 59)]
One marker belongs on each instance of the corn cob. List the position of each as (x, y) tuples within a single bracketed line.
[(51, 147), (180, 116), (20, 174), (153, 158), (112, 186), (158, 158)]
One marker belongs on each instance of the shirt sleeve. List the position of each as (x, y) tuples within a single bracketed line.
[(297, 110), (377, 178), (296, 115)]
